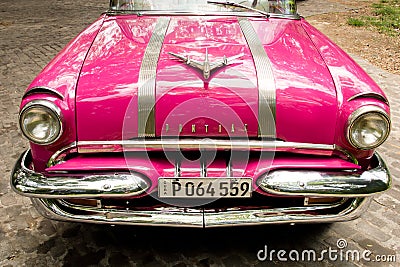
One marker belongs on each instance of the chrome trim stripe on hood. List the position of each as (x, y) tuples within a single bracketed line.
[(265, 79), (147, 80)]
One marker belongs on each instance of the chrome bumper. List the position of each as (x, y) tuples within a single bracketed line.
[(31, 184), (281, 182), (47, 194), (170, 216), (325, 183)]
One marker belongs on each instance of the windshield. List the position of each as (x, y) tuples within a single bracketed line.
[(284, 7)]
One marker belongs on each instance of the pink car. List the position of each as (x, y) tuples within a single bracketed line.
[(202, 113)]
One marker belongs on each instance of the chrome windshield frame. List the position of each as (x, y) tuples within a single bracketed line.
[(114, 9), (111, 12)]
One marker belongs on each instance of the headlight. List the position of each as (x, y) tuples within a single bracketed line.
[(40, 122), (368, 127)]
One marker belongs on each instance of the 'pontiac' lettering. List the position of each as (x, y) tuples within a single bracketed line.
[(207, 128)]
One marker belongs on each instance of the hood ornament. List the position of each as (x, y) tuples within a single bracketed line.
[(207, 67)]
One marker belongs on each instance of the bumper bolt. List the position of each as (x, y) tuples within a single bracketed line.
[(106, 187)]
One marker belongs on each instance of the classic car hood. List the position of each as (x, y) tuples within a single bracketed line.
[(117, 87)]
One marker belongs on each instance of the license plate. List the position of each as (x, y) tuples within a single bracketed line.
[(204, 187)]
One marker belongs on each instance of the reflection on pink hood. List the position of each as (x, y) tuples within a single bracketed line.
[(107, 92)]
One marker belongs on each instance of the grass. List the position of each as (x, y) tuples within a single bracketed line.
[(385, 17), (355, 22)]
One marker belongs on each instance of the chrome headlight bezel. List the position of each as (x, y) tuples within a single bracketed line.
[(52, 110), (362, 113)]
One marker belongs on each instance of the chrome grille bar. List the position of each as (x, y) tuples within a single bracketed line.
[(229, 168), (178, 172), (203, 167), (90, 147), (202, 144)]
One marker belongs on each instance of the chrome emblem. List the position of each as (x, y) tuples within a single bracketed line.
[(207, 67)]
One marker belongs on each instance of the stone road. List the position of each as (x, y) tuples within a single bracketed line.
[(32, 32)]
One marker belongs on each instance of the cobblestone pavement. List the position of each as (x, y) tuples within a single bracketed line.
[(31, 34)]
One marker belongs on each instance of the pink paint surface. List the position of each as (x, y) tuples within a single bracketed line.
[(107, 90), (314, 80), (229, 97)]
